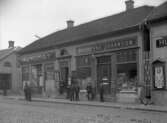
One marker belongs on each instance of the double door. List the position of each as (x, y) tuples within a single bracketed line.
[(104, 73)]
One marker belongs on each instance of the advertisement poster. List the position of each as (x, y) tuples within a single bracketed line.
[(159, 77)]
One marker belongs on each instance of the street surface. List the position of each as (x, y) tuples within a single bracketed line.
[(15, 111)]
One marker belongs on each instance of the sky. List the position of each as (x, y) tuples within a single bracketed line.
[(21, 20)]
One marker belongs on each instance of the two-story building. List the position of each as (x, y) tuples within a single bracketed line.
[(157, 24)]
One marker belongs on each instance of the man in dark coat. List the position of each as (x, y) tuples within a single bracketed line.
[(25, 91), (89, 91), (101, 92), (72, 89), (29, 93), (77, 90)]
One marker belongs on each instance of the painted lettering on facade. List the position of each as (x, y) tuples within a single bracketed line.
[(114, 45), (39, 57), (108, 45)]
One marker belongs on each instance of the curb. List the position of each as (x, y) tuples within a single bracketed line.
[(98, 104)]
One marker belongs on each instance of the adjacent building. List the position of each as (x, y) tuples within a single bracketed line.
[(9, 69), (157, 23)]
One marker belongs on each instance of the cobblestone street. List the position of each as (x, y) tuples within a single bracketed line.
[(15, 111)]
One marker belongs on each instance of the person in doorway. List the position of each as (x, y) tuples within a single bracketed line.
[(89, 90), (101, 92)]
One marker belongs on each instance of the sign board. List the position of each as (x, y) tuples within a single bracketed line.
[(161, 42), (108, 45)]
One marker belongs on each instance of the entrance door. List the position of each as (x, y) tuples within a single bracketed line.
[(104, 72), (5, 81), (64, 79)]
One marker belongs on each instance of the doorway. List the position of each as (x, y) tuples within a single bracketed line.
[(5, 81), (104, 73), (64, 79)]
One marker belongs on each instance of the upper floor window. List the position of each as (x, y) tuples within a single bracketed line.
[(7, 64)]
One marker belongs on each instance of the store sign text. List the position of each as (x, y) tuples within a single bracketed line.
[(161, 42), (39, 57), (114, 45), (108, 45)]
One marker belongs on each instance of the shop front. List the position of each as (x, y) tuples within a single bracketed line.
[(38, 71), (112, 63)]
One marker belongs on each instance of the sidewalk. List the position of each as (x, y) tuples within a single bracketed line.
[(97, 104)]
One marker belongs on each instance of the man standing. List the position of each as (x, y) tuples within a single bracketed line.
[(89, 91), (29, 93), (25, 91), (4, 88), (101, 92), (77, 90), (72, 92)]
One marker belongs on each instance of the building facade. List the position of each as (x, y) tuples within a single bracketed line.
[(9, 69), (157, 22), (114, 50)]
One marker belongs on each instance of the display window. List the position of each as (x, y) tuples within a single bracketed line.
[(25, 73), (36, 80), (126, 77), (49, 71), (83, 70)]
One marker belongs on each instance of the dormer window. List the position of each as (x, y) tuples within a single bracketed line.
[(7, 64)]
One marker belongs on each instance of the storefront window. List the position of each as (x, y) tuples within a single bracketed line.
[(83, 70), (37, 77), (25, 73), (126, 56), (49, 71), (127, 70), (126, 77)]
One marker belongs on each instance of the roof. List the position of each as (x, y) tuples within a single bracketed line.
[(159, 12), (101, 26), (6, 52)]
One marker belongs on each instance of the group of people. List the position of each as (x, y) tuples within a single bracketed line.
[(90, 92), (27, 92), (74, 89), (73, 92)]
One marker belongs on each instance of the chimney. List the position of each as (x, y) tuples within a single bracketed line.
[(70, 24), (11, 44), (129, 4)]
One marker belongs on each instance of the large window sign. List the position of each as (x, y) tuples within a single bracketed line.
[(159, 75)]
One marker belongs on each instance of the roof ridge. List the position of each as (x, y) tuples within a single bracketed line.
[(157, 11), (111, 23), (95, 20)]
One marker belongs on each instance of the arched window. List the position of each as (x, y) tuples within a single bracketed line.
[(7, 64)]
